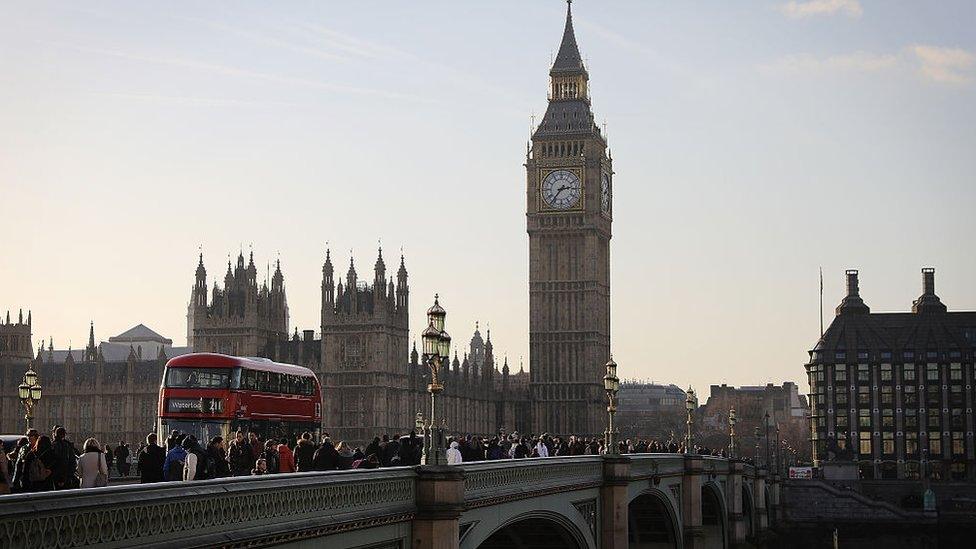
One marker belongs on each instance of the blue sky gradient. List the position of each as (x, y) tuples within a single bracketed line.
[(753, 142)]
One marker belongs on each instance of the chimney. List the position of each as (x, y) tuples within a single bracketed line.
[(852, 303), (928, 281), (852, 283), (928, 302)]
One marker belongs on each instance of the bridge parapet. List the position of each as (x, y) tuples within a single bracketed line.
[(228, 512), (493, 482)]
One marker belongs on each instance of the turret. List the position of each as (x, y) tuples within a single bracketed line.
[(402, 290), (328, 286), (200, 287), (91, 352), (379, 273)]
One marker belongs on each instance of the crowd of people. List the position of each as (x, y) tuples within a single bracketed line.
[(41, 463)]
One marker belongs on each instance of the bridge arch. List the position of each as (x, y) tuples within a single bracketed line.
[(714, 517), (652, 521), (749, 510), (533, 530)]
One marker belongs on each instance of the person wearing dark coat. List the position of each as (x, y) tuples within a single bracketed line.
[(67, 460), (326, 458), (217, 458), (151, 460), (391, 452), (305, 453), (240, 456), (173, 440), (372, 449), (43, 453)]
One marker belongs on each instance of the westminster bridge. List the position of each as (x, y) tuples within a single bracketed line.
[(586, 502)]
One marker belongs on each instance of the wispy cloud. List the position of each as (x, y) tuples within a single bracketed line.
[(812, 8), (932, 63), (227, 70), (952, 65), (860, 61)]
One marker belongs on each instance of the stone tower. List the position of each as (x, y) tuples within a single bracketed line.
[(569, 206), (15, 339), (364, 370), (242, 318)]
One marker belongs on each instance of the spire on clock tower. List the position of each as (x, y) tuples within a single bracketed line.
[(568, 112)]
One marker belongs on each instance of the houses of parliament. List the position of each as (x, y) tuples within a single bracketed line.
[(372, 377)]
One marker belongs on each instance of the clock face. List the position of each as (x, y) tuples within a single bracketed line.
[(605, 193), (561, 190)]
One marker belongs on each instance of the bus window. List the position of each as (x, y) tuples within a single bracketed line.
[(201, 378)]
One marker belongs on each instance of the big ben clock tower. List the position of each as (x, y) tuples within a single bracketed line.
[(569, 211)]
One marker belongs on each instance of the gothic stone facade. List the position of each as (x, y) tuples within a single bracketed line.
[(568, 206), (372, 383), (108, 391), (241, 318)]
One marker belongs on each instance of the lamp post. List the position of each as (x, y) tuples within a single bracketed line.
[(779, 452), (755, 458), (611, 383), (691, 402), (29, 392), (732, 422), (437, 349), (766, 430)]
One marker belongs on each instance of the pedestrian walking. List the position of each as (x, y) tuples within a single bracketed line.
[(240, 456), (326, 458), (286, 458), (20, 479), (217, 458), (270, 457), (175, 461), (454, 454), (66, 459), (122, 458), (151, 460), (92, 468), (305, 453)]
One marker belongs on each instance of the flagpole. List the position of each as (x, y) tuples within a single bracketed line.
[(821, 302)]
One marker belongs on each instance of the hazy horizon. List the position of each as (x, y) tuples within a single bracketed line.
[(753, 143)]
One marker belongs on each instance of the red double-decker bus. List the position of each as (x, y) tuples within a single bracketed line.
[(210, 395)]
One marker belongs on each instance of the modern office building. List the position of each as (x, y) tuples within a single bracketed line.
[(894, 391)]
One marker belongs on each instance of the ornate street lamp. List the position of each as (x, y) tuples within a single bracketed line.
[(778, 454), (437, 349), (755, 458), (691, 402), (29, 392), (732, 422), (611, 383), (766, 427)]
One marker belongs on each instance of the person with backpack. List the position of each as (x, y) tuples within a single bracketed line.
[(175, 461), (151, 460), (20, 479), (92, 468), (41, 462), (67, 460)]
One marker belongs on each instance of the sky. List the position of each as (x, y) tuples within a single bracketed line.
[(753, 143)]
